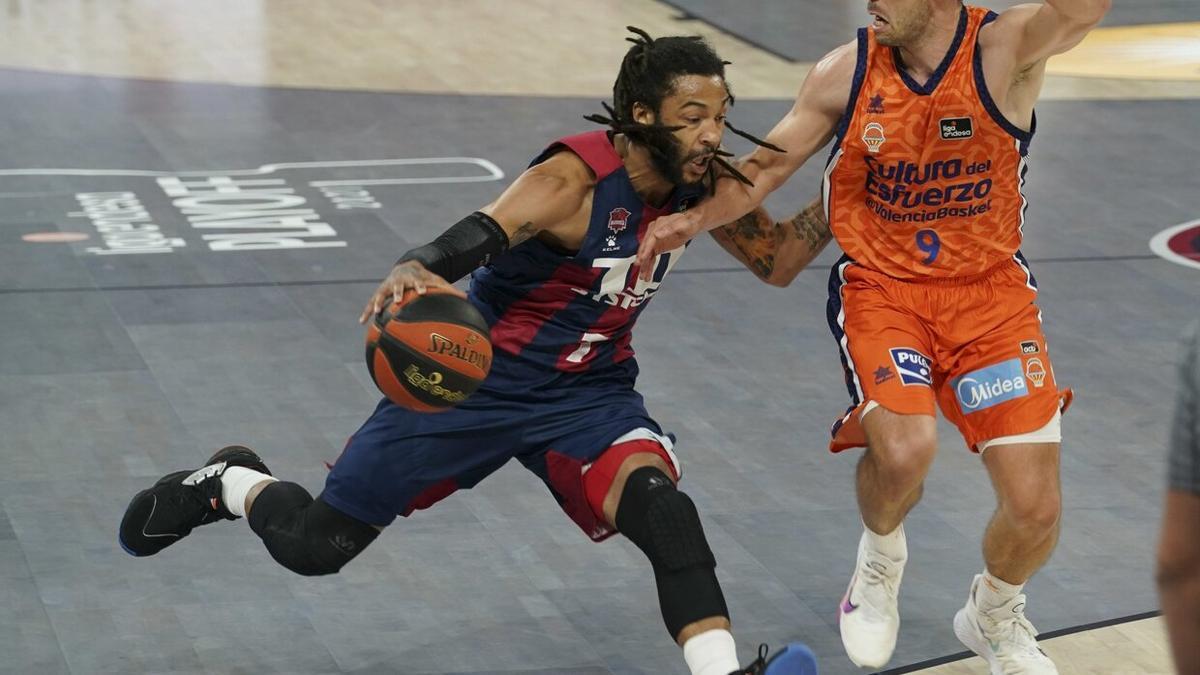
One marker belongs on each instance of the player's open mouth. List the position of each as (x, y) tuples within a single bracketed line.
[(879, 22), (701, 163)]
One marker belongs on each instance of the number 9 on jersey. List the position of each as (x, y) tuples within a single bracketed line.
[(928, 242)]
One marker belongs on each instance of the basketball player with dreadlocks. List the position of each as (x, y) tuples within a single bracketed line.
[(930, 111), (552, 264)]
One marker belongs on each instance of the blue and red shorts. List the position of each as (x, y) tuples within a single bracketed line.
[(400, 461)]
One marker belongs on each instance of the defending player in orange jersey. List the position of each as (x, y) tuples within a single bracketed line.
[(931, 115)]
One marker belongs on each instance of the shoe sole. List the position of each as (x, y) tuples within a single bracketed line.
[(234, 455), (795, 659)]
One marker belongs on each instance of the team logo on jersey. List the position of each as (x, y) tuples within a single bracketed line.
[(1030, 347), (618, 220), (993, 385), (1179, 244), (875, 105), (1035, 372), (956, 128), (873, 136), (913, 366), (883, 374)]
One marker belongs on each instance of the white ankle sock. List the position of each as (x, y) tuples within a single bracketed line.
[(993, 592), (712, 652), (893, 544), (236, 483)]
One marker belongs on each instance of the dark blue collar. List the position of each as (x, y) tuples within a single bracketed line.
[(932, 83)]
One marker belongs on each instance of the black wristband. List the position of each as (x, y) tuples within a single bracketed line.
[(469, 243)]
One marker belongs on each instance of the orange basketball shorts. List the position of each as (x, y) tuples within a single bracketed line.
[(972, 345)]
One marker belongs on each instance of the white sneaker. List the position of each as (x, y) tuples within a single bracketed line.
[(869, 616), (1002, 636)]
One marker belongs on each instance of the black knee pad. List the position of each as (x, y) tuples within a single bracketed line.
[(664, 524), (309, 537), (662, 521)]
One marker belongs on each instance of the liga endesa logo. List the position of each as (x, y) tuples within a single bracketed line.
[(1179, 244)]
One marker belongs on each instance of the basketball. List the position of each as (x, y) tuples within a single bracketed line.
[(429, 352)]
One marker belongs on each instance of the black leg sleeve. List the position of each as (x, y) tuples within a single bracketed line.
[(664, 524), (309, 537)]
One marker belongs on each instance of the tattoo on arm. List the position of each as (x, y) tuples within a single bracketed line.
[(767, 247), (755, 236), (810, 227), (523, 233)]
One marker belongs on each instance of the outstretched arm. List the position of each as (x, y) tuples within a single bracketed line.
[(1037, 32), (544, 198), (776, 251)]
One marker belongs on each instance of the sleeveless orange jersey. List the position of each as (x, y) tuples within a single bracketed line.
[(925, 181)]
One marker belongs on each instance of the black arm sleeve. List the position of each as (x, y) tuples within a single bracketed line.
[(469, 243)]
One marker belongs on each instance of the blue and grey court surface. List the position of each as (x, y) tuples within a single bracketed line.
[(145, 323)]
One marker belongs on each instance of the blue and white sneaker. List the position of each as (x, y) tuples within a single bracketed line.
[(794, 659)]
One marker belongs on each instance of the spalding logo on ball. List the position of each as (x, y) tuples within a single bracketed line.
[(428, 352)]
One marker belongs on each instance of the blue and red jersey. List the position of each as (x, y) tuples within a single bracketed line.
[(561, 388), (554, 314)]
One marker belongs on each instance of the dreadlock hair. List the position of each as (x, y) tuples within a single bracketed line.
[(647, 75)]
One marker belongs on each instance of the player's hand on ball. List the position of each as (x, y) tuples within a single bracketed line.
[(403, 277)]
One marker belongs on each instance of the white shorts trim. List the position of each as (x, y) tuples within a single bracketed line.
[(644, 434), (867, 407), (1051, 433)]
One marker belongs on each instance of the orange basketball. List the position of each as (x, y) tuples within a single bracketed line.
[(428, 352)]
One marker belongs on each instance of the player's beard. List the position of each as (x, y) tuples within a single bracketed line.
[(909, 29), (666, 155)]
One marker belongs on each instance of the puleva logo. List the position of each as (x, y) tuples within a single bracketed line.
[(993, 385), (913, 366), (1179, 244)]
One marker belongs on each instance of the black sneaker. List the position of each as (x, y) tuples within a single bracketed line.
[(181, 501), (794, 659)]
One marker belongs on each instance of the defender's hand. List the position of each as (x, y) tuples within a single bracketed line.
[(405, 276), (666, 233)]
